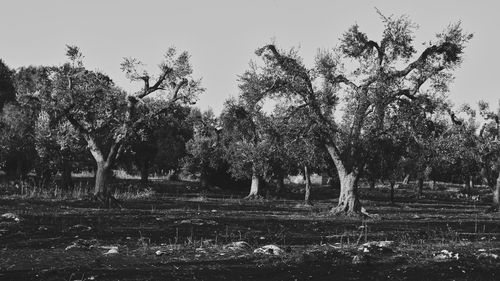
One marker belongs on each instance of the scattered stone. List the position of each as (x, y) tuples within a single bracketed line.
[(487, 256), (237, 246), (160, 253), (200, 250), (82, 244), (445, 255), (269, 250), (112, 250), (10, 217), (80, 227), (382, 247), (359, 259), (197, 222), (207, 242)]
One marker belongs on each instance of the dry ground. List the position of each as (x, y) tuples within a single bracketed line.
[(189, 231)]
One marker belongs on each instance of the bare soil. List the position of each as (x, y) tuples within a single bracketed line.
[(188, 230)]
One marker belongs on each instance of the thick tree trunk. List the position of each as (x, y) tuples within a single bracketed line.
[(254, 187), (307, 195), (392, 190), (349, 203), (280, 185), (101, 177), (203, 180), (420, 187), (348, 200), (66, 180), (496, 195), (466, 183), (433, 185), (372, 184), (280, 182), (144, 172)]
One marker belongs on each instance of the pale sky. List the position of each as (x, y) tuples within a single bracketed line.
[(222, 35)]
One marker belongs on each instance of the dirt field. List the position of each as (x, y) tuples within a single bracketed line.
[(177, 235)]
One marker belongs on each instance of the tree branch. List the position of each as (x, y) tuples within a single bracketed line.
[(444, 48), (157, 86)]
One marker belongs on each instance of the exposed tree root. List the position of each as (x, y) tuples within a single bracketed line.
[(343, 212), (307, 204), (108, 201), (253, 197)]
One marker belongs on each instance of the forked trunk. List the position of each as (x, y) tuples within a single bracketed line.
[(307, 199)]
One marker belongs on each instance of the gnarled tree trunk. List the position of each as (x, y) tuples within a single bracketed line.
[(349, 203), (348, 199)]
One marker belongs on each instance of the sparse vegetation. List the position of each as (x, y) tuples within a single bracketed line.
[(100, 184)]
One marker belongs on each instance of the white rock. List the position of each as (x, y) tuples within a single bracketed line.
[(112, 250), (446, 255), (237, 246), (487, 256), (160, 253), (269, 250), (11, 216)]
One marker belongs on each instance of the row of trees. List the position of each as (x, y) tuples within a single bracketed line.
[(365, 109)]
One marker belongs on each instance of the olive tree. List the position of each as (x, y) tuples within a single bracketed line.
[(104, 115), (361, 80)]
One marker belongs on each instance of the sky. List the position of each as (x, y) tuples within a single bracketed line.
[(222, 35)]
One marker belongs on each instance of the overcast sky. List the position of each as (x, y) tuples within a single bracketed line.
[(222, 35)]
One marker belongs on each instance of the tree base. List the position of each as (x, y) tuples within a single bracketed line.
[(361, 213), (253, 197), (108, 201)]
